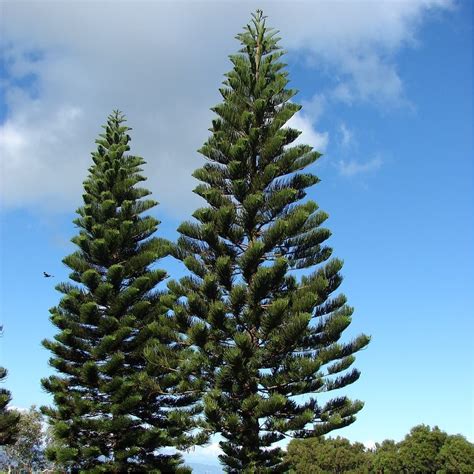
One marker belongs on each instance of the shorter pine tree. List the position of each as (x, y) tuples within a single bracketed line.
[(114, 410), (8, 418)]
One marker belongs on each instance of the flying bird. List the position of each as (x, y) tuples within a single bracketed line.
[(47, 275)]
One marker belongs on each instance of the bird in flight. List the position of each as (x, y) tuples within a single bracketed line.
[(47, 275)]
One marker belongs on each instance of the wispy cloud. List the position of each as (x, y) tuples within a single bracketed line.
[(351, 167), (358, 42), (347, 135), (368, 78), (315, 107)]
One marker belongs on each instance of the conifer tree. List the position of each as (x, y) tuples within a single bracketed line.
[(113, 410), (8, 418), (258, 308)]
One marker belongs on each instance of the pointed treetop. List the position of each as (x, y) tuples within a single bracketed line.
[(114, 121), (258, 16), (258, 39), (117, 116)]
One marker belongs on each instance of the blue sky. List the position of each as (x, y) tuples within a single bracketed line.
[(386, 89)]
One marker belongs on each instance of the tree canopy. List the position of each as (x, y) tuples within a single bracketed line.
[(424, 450), (323, 456)]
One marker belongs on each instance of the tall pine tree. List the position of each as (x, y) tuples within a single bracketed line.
[(8, 418), (259, 308), (113, 409)]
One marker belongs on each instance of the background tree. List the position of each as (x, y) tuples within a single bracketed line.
[(427, 450), (456, 456), (325, 456), (386, 459), (419, 450), (265, 337), (113, 409), (28, 451), (424, 450), (8, 418)]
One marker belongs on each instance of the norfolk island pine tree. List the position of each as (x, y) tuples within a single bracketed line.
[(265, 338), (113, 409), (8, 418)]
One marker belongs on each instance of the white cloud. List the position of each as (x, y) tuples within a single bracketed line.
[(162, 63), (38, 157), (347, 135), (203, 454), (370, 79), (15, 408), (315, 106), (351, 167), (369, 444), (212, 449), (358, 42), (309, 135)]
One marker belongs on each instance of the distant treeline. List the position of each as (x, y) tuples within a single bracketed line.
[(424, 450)]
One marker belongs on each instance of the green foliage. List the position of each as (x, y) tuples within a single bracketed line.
[(456, 456), (419, 450), (8, 418), (27, 452), (262, 334), (118, 396), (386, 459), (327, 456), (424, 450), (430, 450)]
